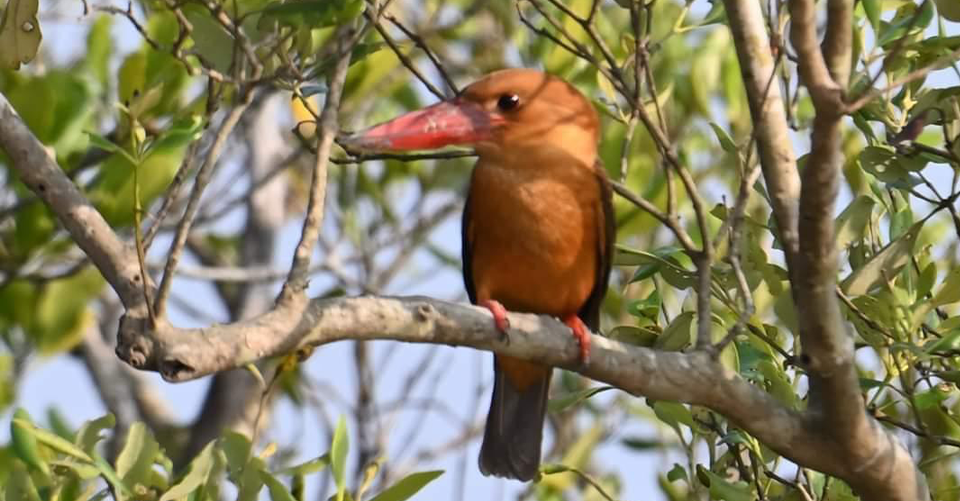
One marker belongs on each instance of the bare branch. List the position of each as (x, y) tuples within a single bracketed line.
[(297, 279), (825, 91), (199, 185), (769, 119), (879, 465), (116, 260)]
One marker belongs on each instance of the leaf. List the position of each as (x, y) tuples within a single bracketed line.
[(89, 434), (19, 33), (312, 466), (311, 13), (560, 403), (949, 289), (673, 414), (678, 334), (777, 382), (726, 142), (883, 265), (647, 308), (904, 20), (677, 472), (111, 476), (19, 486), (852, 222), (338, 456), (872, 9), (199, 470), (52, 440), (25, 443), (278, 491), (723, 490), (135, 462), (949, 342), (637, 336), (407, 486), (881, 161), (932, 397)]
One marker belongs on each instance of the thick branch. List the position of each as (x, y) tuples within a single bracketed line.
[(116, 260), (696, 378), (814, 73), (769, 119)]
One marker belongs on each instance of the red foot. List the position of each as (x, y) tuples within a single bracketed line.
[(499, 314), (582, 333)]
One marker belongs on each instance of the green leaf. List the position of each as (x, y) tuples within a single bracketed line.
[(884, 265), (197, 473), (135, 462), (932, 397), (637, 336), (726, 142), (560, 403), (19, 33), (19, 485), (210, 39), (949, 289), (949, 342), (677, 472), (52, 440), (89, 434), (723, 490), (312, 466), (872, 9), (904, 20), (311, 13), (338, 456), (673, 414), (648, 308), (278, 491), (777, 382), (407, 486), (852, 222), (678, 335), (881, 161), (111, 476), (24, 442)]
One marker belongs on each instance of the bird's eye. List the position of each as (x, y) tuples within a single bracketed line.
[(508, 102)]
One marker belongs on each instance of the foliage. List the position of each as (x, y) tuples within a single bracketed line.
[(129, 128), (66, 465)]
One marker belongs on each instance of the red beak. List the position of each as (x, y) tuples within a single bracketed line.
[(446, 123)]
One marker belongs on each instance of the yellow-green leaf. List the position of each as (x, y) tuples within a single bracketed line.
[(19, 33)]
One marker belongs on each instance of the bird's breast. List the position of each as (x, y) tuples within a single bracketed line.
[(534, 237)]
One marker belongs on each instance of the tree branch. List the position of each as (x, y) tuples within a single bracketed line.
[(769, 119), (695, 378), (116, 260), (328, 127)]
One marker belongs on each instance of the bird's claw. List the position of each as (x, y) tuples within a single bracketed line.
[(582, 335), (499, 315)]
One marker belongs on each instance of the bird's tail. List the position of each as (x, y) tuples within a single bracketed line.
[(514, 431)]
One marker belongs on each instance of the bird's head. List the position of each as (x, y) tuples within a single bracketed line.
[(514, 112)]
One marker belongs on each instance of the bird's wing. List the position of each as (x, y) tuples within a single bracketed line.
[(606, 238), (466, 254)]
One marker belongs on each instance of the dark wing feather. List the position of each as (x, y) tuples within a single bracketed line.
[(465, 252), (590, 312)]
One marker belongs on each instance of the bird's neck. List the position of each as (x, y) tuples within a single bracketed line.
[(538, 155)]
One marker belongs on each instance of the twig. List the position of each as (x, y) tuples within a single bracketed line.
[(297, 279), (199, 185), (419, 42), (404, 60)]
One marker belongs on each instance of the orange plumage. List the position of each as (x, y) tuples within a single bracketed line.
[(538, 228)]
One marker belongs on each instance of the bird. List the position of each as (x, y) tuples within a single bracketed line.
[(538, 228)]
